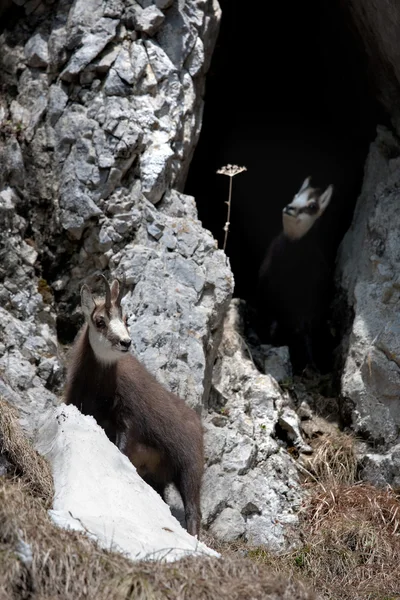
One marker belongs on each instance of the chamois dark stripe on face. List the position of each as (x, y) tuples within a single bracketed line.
[(311, 209)]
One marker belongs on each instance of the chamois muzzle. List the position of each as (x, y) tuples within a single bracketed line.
[(125, 345), (289, 210)]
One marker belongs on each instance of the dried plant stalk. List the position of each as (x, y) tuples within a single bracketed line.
[(230, 171)]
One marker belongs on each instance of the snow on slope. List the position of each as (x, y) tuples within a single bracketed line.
[(98, 490)]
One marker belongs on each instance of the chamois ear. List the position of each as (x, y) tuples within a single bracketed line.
[(325, 198), (87, 301), (118, 290), (304, 185), (114, 290)]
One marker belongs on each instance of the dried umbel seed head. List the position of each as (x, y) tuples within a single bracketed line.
[(231, 170)]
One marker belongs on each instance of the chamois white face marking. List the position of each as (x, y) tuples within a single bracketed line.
[(108, 333), (304, 210)]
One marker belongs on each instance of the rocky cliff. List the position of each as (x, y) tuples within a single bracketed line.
[(100, 111)]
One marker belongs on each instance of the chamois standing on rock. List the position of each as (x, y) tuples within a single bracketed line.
[(157, 431), (295, 281)]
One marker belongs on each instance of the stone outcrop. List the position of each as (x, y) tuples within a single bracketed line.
[(368, 274), (251, 487), (100, 111)]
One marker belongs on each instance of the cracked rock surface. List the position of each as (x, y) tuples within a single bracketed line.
[(100, 111), (370, 282), (251, 487)]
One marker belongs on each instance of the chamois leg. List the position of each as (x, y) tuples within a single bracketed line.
[(189, 488)]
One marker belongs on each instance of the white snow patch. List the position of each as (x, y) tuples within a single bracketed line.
[(98, 490)]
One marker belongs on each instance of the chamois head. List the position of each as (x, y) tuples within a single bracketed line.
[(108, 333), (304, 210)]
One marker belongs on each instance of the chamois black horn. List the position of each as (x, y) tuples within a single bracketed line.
[(108, 291), (121, 290)]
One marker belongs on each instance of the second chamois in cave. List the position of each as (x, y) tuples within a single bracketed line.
[(159, 433), (294, 285)]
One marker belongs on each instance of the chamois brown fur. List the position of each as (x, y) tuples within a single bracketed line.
[(159, 433), (294, 290)]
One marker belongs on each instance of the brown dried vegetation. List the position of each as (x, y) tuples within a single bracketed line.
[(351, 544), (350, 530), (69, 566), (26, 462)]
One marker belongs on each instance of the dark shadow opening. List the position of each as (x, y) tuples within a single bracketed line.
[(287, 96), (10, 13)]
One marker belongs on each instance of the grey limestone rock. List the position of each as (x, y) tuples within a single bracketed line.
[(91, 46), (36, 51), (182, 286), (382, 469), (102, 126), (251, 488), (371, 287), (147, 19), (163, 4)]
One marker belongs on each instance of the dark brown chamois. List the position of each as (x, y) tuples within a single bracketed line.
[(159, 433), (295, 281)]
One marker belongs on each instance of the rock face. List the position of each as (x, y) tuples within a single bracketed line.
[(251, 488), (371, 284), (100, 111)]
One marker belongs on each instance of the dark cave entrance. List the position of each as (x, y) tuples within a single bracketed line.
[(287, 96)]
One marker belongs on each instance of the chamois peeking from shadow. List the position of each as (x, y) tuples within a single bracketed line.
[(294, 283), (158, 432)]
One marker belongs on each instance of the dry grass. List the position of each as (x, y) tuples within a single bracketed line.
[(350, 551), (18, 450), (350, 531), (69, 566), (353, 542), (351, 547), (39, 561), (334, 459)]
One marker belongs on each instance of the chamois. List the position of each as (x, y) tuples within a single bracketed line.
[(157, 431), (295, 279)]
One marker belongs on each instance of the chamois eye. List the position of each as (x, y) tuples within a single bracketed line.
[(125, 317), (100, 323), (312, 207)]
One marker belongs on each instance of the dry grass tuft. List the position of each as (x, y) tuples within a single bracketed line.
[(351, 547), (27, 463), (334, 459), (353, 542)]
